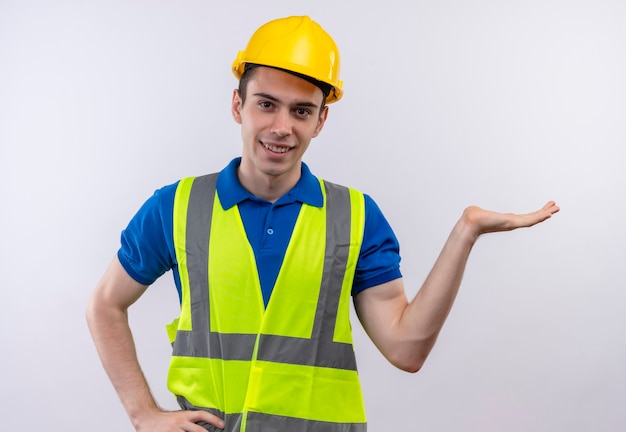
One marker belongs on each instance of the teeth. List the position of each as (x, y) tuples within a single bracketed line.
[(276, 149)]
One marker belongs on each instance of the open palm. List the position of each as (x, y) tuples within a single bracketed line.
[(486, 221)]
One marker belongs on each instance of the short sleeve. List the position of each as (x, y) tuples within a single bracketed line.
[(147, 245), (379, 259)]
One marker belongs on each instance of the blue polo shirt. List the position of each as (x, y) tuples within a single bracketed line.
[(147, 244)]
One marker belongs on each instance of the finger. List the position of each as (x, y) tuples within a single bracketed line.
[(549, 209), (554, 208), (544, 213), (207, 417)]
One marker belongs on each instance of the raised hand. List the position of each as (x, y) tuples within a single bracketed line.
[(485, 221)]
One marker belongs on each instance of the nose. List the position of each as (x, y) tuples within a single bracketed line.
[(282, 123)]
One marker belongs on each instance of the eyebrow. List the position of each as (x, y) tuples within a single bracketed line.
[(275, 99)]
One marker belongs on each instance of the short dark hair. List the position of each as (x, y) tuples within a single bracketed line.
[(250, 69)]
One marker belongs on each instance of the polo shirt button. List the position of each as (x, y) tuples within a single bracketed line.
[(270, 231)]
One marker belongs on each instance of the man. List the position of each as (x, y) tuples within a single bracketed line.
[(265, 257)]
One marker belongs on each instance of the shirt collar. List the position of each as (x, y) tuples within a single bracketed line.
[(231, 192)]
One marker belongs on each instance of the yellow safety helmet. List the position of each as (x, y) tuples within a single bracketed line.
[(296, 44)]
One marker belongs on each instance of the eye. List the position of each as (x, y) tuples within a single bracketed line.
[(302, 112), (266, 104)]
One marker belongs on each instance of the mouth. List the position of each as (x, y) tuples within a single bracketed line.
[(274, 148)]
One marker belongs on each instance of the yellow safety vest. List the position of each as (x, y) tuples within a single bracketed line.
[(290, 367)]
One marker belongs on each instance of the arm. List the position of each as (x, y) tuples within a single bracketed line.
[(107, 316), (405, 332)]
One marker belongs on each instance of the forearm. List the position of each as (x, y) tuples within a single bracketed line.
[(424, 317), (113, 339), (426, 314), (405, 332)]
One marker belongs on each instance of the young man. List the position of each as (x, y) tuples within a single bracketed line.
[(265, 257)]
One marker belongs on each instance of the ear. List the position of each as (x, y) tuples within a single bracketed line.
[(320, 121), (236, 106)]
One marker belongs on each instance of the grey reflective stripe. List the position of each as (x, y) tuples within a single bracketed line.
[(195, 343), (291, 350), (199, 217), (258, 422), (338, 221), (320, 349), (330, 354), (225, 346)]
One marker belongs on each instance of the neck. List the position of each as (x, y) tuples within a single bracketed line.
[(267, 187)]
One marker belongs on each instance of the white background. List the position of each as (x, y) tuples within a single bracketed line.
[(498, 103)]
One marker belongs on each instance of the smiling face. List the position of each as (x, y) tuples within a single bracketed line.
[(280, 116)]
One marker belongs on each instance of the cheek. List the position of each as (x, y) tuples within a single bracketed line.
[(247, 124), (253, 122), (247, 135)]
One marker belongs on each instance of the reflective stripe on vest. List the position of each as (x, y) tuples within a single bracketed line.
[(227, 364)]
